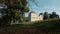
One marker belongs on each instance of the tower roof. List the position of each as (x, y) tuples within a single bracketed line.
[(40, 14), (32, 12)]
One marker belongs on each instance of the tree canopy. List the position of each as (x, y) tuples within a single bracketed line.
[(14, 10)]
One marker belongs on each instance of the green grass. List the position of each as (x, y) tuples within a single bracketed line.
[(11, 27), (49, 24)]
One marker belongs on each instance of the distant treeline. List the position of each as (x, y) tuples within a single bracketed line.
[(52, 15)]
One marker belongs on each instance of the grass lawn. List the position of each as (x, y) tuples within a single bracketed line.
[(50, 26)]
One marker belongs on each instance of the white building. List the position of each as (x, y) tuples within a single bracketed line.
[(34, 17)]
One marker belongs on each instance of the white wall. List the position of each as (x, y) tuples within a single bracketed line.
[(35, 17)]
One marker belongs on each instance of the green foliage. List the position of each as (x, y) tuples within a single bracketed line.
[(12, 13), (49, 25), (4, 21), (54, 15), (46, 15)]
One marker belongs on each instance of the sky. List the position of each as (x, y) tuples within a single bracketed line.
[(39, 6)]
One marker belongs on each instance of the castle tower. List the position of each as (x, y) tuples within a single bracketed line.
[(41, 15)]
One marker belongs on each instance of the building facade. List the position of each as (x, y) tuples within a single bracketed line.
[(34, 17)]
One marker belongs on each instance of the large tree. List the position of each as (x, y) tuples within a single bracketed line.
[(15, 9)]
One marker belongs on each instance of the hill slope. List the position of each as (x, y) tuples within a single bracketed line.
[(51, 26)]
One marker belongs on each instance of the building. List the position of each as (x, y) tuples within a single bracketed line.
[(34, 17)]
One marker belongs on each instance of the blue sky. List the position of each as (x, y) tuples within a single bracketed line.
[(44, 5)]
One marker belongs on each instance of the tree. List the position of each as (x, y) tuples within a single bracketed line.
[(46, 15), (15, 9), (54, 15)]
